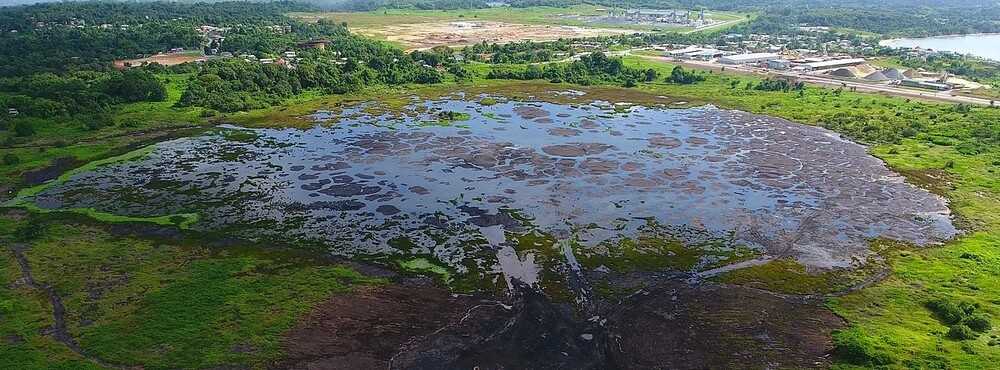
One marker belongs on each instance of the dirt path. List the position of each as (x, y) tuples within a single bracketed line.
[(58, 330)]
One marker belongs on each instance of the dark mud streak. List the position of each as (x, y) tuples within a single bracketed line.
[(699, 326), (58, 330), (671, 324)]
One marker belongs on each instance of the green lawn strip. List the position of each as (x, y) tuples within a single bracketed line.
[(136, 302)]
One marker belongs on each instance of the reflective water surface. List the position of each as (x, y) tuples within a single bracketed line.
[(379, 184)]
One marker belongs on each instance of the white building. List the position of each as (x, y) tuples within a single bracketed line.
[(706, 54), (836, 63), (779, 64), (748, 58)]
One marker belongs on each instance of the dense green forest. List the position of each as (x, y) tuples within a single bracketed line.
[(234, 84), (59, 72), (590, 69)]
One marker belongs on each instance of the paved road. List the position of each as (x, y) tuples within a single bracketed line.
[(945, 96)]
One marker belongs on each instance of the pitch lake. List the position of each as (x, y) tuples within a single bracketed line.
[(408, 184)]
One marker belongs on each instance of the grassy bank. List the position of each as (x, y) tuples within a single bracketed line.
[(157, 304), (128, 125)]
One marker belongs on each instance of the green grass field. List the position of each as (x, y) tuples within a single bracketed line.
[(363, 21)]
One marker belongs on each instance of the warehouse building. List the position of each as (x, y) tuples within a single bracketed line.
[(925, 85), (779, 64), (831, 64), (748, 58)]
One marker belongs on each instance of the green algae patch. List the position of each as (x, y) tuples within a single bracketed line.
[(25, 197), (643, 253), (422, 265), (242, 136), (548, 255), (782, 275)]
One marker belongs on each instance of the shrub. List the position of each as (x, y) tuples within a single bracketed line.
[(129, 123), (856, 347), (961, 332), (947, 311), (679, 76), (23, 129), (979, 322), (11, 159), (28, 231)]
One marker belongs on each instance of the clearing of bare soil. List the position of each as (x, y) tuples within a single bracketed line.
[(428, 35), (416, 325), (164, 59)]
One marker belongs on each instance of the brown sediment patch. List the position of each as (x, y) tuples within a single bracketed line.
[(564, 132), (632, 166), (664, 142), (694, 140), (418, 326), (934, 180), (364, 330), (419, 190), (588, 124), (672, 325), (715, 158), (598, 166), (530, 112), (576, 149), (677, 326)]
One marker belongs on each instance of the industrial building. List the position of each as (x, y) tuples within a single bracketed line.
[(748, 58), (706, 54), (779, 64), (925, 85), (831, 64)]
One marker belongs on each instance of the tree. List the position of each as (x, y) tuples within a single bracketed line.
[(651, 75), (679, 76), (136, 85)]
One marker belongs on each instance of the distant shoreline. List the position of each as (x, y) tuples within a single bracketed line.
[(983, 51), (886, 41)]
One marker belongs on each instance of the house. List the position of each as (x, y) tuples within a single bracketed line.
[(313, 44), (13, 111), (290, 54)]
